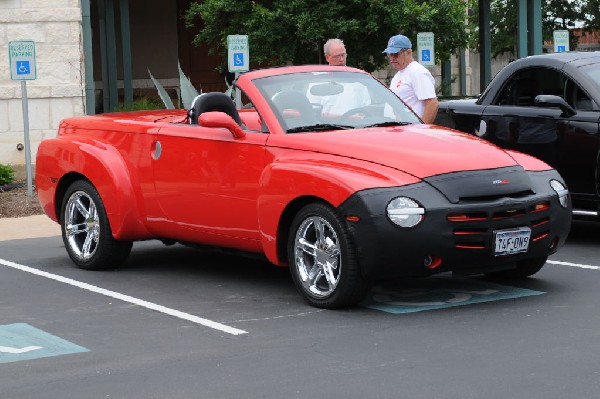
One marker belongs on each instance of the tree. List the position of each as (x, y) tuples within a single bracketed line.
[(556, 14), (294, 31), (590, 10)]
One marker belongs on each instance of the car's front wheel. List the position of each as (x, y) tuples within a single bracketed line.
[(86, 232), (525, 268), (322, 259)]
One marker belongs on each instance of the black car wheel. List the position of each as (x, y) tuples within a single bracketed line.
[(322, 259), (86, 232), (525, 268)]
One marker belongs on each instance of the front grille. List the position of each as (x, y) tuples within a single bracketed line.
[(486, 198), (474, 230)]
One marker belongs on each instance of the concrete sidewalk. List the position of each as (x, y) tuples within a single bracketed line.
[(28, 227)]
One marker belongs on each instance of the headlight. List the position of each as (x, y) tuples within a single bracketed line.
[(561, 190), (405, 212)]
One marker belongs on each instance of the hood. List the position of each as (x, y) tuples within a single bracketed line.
[(419, 150)]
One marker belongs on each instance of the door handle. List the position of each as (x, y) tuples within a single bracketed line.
[(156, 150)]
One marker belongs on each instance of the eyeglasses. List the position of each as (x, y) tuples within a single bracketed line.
[(339, 56), (395, 55)]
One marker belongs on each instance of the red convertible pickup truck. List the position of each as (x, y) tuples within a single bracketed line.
[(323, 170)]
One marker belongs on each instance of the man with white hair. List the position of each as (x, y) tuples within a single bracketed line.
[(354, 95), (335, 52)]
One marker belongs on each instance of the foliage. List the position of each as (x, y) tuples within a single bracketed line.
[(556, 14), (590, 9), (141, 104), (7, 174), (294, 31)]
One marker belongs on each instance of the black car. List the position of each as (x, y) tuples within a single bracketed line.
[(547, 106)]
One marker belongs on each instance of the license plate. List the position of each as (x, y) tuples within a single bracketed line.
[(512, 241)]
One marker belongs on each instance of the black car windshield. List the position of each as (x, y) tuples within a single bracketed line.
[(593, 71), (332, 100)]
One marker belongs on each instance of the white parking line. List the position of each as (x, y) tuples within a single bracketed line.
[(126, 298), (556, 262)]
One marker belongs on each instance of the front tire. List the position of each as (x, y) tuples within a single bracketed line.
[(322, 259), (86, 231), (525, 268)]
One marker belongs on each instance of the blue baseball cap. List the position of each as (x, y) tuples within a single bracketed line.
[(398, 43)]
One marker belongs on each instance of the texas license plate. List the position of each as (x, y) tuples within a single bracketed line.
[(512, 241)]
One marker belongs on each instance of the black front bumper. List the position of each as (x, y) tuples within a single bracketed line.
[(463, 244)]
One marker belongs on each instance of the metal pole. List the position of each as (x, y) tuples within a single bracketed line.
[(26, 137), (485, 42), (238, 94), (88, 60), (126, 51)]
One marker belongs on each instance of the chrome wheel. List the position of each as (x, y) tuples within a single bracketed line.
[(86, 229), (322, 258), (317, 256), (82, 225)]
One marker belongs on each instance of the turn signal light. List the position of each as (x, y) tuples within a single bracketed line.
[(431, 262)]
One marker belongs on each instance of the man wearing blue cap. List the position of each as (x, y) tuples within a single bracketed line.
[(413, 83)]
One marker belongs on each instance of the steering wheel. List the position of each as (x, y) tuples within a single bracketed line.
[(367, 110)]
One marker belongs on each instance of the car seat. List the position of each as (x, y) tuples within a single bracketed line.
[(216, 101), (294, 108)]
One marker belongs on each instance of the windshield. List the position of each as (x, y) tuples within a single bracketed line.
[(318, 101), (593, 71)]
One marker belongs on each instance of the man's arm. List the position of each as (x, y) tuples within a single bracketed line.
[(430, 109)]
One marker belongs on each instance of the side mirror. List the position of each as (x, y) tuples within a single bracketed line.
[(221, 119), (550, 101)]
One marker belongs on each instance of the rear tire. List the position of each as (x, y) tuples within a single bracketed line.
[(322, 259), (525, 268), (86, 231)]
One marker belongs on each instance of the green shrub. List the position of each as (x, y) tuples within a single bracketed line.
[(141, 104), (7, 174)]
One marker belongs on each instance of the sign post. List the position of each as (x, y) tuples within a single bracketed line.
[(22, 67), (561, 41), (238, 59), (425, 50)]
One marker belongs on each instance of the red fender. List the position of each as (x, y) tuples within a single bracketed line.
[(283, 182), (105, 168)]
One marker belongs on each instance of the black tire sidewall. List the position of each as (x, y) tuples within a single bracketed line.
[(109, 252), (351, 286)]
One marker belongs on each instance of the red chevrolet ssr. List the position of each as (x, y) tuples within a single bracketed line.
[(322, 169)]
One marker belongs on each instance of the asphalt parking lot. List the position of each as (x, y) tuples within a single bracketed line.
[(176, 322)]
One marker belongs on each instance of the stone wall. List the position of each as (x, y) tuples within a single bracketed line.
[(58, 90)]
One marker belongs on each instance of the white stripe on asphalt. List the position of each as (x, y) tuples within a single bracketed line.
[(556, 262), (126, 298)]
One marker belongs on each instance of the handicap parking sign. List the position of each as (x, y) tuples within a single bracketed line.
[(238, 59), (23, 68), (425, 48), (22, 60), (21, 341), (238, 56), (419, 295)]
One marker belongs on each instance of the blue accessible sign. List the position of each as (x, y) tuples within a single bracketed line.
[(438, 293), (21, 341)]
